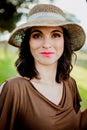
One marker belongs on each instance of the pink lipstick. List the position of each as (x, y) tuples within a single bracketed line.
[(46, 53)]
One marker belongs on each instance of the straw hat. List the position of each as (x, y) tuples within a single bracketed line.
[(49, 15)]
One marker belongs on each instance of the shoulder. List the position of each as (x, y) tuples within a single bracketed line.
[(71, 82), (14, 92), (75, 93), (18, 80), (73, 87), (14, 84)]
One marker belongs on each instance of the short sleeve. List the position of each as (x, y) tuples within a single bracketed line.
[(75, 94), (8, 106)]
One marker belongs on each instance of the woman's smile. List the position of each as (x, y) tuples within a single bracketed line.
[(47, 54), (46, 44)]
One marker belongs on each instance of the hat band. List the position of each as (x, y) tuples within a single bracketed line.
[(46, 15)]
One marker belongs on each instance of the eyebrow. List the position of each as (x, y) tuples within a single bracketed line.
[(57, 31), (41, 31), (32, 31)]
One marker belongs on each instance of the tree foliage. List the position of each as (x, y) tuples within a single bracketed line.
[(9, 15)]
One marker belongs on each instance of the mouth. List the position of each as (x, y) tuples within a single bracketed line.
[(46, 53)]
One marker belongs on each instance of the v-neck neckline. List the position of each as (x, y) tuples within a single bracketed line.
[(61, 102)]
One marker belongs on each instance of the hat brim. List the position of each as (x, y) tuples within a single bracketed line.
[(75, 31)]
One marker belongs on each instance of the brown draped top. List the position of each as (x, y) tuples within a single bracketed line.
[(22, 107)]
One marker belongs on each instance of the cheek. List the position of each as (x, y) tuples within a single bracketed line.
[(60, 45), (34, 44)]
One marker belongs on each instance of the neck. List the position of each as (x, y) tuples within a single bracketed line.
[(47, 73)]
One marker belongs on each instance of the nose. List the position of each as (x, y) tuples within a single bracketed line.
[(46, 43)]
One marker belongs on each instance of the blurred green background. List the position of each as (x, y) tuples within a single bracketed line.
[(79, 72)]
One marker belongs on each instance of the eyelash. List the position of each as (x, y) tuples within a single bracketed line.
[(55, 35), (36, 36)]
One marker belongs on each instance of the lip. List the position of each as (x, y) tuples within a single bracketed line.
[(46, 53)]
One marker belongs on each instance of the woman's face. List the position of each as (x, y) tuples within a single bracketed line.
[(46, 44)]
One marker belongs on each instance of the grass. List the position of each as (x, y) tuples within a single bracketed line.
[(7, 70), (80, 74)]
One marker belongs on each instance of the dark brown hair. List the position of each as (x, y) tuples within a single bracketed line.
[(25, 62)]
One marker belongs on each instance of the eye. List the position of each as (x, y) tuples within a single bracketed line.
[(56, 35), (36, 36)]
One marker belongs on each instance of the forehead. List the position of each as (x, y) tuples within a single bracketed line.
[(47, 28)]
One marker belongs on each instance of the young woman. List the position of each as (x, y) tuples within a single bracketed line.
[(44, 96)]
